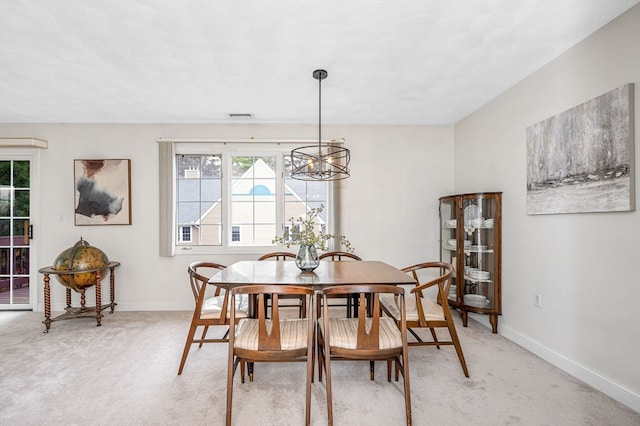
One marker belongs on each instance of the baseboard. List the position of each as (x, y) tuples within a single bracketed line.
[(620, 393)]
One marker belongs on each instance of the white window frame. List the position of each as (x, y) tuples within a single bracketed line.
[(170, 148)]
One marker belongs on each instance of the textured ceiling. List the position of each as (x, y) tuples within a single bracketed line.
[(188, 61)]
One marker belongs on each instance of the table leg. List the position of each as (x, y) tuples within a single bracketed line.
[(98, 299), (112, 288), (47, 303)]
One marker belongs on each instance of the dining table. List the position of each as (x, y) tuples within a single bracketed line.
[(248, 272), (327, 274)]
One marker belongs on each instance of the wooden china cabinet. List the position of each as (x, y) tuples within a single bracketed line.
[(470, 239)]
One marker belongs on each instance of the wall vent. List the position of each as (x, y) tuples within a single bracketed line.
[(240, 116)]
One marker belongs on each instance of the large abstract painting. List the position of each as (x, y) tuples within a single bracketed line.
[(103, 192), (581, 160)]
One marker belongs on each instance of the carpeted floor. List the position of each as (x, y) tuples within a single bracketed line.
[(125, 373)]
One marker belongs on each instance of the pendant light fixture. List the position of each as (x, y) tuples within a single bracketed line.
[(320, 162)]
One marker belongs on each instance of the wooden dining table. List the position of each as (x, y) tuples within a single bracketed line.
[(325, 275)]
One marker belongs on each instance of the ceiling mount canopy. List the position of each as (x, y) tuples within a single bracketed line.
[(322, 162)]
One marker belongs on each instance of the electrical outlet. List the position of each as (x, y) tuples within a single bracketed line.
[(537, 300)]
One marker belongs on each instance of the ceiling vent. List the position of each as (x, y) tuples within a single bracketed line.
[(240, 116)]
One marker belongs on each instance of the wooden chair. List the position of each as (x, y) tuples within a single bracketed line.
[(339, 256), (285, 255), (257, 340), (423, 312), (208, 311), (367, 337)]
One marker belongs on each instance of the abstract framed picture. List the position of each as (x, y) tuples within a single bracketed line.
[(102, 192), (582, 160)]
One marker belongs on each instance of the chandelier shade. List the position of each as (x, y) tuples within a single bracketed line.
[(322, 162)]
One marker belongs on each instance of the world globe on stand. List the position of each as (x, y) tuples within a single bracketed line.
[(81, 257)]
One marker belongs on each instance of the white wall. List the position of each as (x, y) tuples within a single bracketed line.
[(585, 266), (389, 205)]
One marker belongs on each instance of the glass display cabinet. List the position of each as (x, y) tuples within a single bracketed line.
[(470, 239)]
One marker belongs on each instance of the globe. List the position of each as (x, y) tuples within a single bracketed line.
[(81, 257)]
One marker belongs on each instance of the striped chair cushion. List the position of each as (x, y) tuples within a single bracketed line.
[(212, 307), (343, 332), (432, 311), (293, 333)]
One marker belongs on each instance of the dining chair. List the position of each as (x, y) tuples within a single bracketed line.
[(425, 312), (285, 255), (208, 310), (338, 256), (262, 339), (369, 336)]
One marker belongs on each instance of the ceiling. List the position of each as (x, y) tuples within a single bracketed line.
[(420, 62)]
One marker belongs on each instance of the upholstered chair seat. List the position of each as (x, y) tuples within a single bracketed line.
[(212, 307), (431, 310), (293, 333), (343, 332)]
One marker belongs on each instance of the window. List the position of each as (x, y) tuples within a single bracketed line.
[(232, 196), (185, 234), (235, 233)]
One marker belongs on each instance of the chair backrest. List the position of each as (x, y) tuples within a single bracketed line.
[(369, 311), (199, 274), (429, 274), (278, 255), (339, 256), (268, 335)]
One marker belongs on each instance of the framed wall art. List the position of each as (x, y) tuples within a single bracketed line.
[(102, 192), (582, 159)]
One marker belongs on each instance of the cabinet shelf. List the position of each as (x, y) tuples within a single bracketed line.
[(477, 220)]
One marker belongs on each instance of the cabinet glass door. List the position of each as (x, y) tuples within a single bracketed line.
[(479, 260), (448, 240)]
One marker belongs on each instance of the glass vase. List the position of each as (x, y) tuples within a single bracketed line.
[(307, 258)]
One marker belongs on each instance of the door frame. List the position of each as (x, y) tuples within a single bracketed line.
[(33, 156)]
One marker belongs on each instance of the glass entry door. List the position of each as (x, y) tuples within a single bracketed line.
[(15, 234)]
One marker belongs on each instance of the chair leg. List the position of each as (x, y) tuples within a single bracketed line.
[(187, 346), (327, 367), (435, 336), (320, 346), (313, 356), (407, 390), (310, 363), (372, 370), (204, 334), (230, 370), (456, 344)]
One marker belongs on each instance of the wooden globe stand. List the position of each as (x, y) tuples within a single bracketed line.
[(82, 311)]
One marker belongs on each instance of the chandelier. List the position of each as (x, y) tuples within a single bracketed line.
[(321, 162)]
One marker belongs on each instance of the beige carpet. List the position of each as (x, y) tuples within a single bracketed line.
[(125, 373)]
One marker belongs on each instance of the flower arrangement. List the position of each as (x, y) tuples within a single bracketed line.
[(303, 232)]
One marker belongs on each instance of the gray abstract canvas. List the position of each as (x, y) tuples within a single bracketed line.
[(581, 160)]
